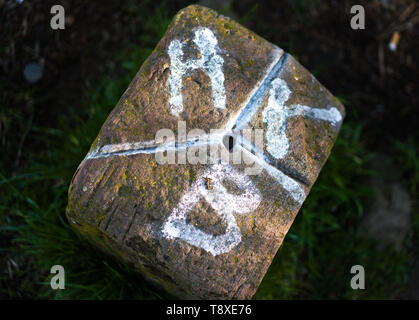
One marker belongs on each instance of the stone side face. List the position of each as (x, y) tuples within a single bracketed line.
[(205, 230)]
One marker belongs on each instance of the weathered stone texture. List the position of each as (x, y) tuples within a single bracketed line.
[(205, 230)]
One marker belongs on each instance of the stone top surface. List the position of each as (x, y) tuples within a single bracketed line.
[(210, 226), (199, 43)]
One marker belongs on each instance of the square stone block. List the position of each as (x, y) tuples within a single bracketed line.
[(199, 171)]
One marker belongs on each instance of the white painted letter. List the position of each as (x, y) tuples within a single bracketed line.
[(209, 61), (223, 202), (276, 116)]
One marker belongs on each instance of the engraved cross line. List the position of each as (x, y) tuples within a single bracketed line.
[(275, 115), (269, 83)]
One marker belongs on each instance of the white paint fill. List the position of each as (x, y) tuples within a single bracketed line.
[(223, 202), (209, 61), (289, 184), (276, 116)]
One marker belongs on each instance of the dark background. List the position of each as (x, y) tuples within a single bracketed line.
[(362, 210)]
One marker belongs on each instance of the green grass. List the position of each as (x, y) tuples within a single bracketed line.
[(313, 262), (33, 203), (324, 242)]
